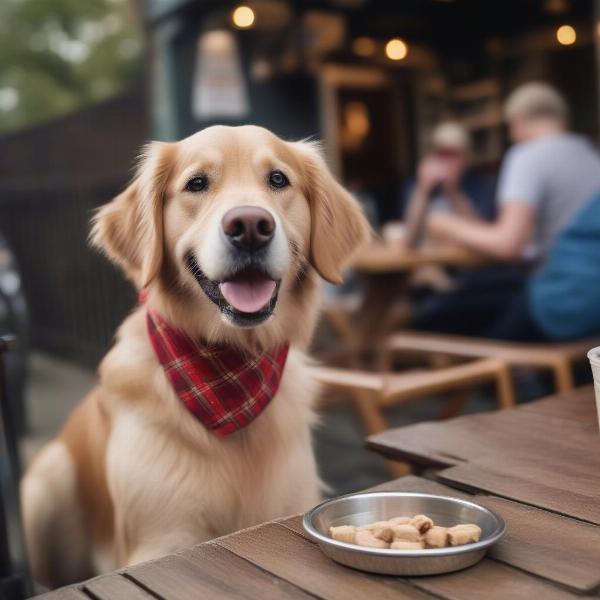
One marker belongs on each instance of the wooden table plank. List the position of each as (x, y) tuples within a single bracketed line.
[(579, 406), (551, 546), (71, 592), (491, 580), (210, 571), (541, 485), (380, 257), (497, 434), (278, 550), (115, 585)]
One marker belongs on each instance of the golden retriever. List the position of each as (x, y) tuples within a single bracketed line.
[(133, 475)]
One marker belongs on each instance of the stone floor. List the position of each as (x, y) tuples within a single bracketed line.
[(56, 386)]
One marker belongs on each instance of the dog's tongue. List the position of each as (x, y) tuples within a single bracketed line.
[(248, 292)]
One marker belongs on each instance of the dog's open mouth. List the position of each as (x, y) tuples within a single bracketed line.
[(248, 297)]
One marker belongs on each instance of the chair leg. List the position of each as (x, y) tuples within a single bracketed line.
[(563, 376), (505, 390), (374, 422)]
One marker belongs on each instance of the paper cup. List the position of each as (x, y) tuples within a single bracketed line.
[(394, 232), (594, 356)]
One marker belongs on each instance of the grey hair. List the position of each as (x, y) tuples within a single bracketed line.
[(536, 99)]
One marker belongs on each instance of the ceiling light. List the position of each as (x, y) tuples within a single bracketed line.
[(396, 49), (566, 35), (243, 17)]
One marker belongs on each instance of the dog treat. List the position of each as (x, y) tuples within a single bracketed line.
[(373, 526), (384, 533), (436, 537), (402, 545), (422, 522), (366, 538), (463, 534), (407, 533), (344, 533)]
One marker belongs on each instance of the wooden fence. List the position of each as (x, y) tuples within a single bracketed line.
[(76, 298)]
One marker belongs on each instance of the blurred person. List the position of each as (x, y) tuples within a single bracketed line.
[(446, 182), (545, 178), (547, 182), (455, 300)]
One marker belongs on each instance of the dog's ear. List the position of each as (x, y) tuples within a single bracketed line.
[(129, 229), (338, 224)]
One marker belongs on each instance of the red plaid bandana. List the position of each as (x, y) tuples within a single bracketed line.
[(222, 387)]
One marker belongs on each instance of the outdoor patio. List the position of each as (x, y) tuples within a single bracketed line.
[(352, 252)]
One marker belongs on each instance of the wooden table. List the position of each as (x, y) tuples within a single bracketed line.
[(380, 257), (551, 550), (385, 268)]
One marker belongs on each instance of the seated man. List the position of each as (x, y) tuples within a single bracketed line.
[(546, 180), (546, 177)]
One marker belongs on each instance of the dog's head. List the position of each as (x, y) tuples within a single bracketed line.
[(232, 222)]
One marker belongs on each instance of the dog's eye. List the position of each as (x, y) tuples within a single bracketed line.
[(197, 184), (278, 180)]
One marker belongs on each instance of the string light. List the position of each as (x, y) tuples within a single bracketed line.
[(243, 17), (396, 49), (566, 35)]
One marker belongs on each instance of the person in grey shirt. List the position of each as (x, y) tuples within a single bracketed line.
[(545, 179)]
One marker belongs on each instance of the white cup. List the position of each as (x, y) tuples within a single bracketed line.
[(594, 356), (394, 232)]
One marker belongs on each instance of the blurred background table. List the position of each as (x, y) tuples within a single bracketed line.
[(386, 268), (382, 257)]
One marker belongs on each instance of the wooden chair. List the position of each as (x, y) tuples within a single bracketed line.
[(557, 357), (343, 317), (372, 393)]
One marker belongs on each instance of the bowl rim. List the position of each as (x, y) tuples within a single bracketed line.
[(311, 530)]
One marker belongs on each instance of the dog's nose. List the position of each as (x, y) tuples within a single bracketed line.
[(248, 227)]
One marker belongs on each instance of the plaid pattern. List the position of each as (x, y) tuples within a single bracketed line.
[(224, 388)]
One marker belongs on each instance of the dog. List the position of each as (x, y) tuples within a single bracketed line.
[(228, 233)]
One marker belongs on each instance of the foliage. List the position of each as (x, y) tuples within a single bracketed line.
[(59, 55)]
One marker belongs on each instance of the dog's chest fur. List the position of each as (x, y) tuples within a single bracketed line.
[(168, 476)]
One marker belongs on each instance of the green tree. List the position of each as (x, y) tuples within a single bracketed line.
[(59, 55)]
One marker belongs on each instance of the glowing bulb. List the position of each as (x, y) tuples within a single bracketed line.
[(243, 17), (566, 35), (396, 49), (364, 46)]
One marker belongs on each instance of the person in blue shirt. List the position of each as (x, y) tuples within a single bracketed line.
[(562, 299)]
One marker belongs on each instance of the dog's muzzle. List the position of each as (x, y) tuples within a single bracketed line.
[(248, 294)]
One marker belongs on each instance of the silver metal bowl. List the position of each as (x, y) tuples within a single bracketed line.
[(364, 508)]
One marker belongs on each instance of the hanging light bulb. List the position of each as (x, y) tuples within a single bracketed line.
[(566, 35), (396, 49), (243, 17)]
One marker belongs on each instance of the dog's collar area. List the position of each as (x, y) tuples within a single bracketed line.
[(212, 289), (224, 388)]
